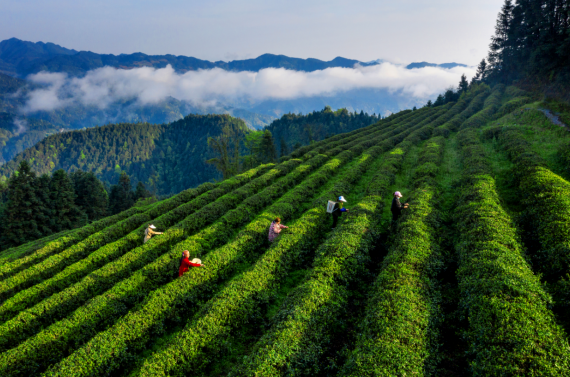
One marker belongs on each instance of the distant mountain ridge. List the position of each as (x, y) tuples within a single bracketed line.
[(426, 64), (20, 58)]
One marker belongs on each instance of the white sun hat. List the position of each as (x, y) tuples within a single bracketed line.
[(196, 260), (152, 226), (341, 199), (398, 194)]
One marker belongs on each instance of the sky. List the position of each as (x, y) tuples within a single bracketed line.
[(402, 31)]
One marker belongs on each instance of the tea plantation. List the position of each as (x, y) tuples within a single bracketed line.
[(473, 279)]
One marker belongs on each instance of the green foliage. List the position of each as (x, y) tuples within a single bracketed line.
[(76, 294), (25, 216), (91, 196), (490, 107), (475, 99), (316, 126), (236, 302), (64, 214), (59, 244), (97, 301), (167, 158), (511, 331), (121, 196), (531, 45), (245, 243), (404, 305), (309, 317), (546, 219)]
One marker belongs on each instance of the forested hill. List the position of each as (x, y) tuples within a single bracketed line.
[(167, 158), (296, 129), (470, 279)]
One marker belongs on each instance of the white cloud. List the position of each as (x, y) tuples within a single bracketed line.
[(104, 86), (20, 125)]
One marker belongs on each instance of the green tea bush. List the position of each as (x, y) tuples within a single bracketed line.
[(399, 333), (490, 107), (475, 99), (510, 328), (309, 317), (190, 289)]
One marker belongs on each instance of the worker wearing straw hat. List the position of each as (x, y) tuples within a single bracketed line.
[(186, 263), (149, 232)]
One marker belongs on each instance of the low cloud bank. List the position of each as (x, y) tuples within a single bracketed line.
[(104, 86)]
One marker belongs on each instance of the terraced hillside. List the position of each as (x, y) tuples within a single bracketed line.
[(472, 280)]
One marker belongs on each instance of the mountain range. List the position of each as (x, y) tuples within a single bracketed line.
[(21, 58)]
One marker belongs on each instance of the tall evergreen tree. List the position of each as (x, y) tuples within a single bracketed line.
[(91, 196), (439, 101), (24, 215), (43, 193), (481, 74), (449, 96), (463, 84), (283, 145), (121, 197), (141, 192), (500, 51), (267, 147), (227, 146), (65, 214)]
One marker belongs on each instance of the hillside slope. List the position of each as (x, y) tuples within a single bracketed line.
[(449, 289), (167, 158)]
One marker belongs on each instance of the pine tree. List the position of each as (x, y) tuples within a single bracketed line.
[(121, 197), (500, 53), (267, 148), (91, 196), (43, 193), (463, 84), (65, 214), (227, 146), (481, 74), (439, 101), (283, 150), (141, 192), (429, 103), (24, 214), (449, 96)]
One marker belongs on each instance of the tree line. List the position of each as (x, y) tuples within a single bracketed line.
[(530, 47), (35, 206), (169, 158), (238, 150)]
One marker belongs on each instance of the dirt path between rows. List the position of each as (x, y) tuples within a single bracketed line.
[(554, 118)]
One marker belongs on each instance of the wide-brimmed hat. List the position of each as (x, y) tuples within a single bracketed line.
[(398, 194), (152, 226), (196, 260), (341, 199)]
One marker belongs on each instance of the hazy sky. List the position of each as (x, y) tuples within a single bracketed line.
[(400, 31)]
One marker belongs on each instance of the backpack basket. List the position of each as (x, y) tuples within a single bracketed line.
[(330, 206)]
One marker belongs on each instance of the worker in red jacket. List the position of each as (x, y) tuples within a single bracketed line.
[(185, 263)]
